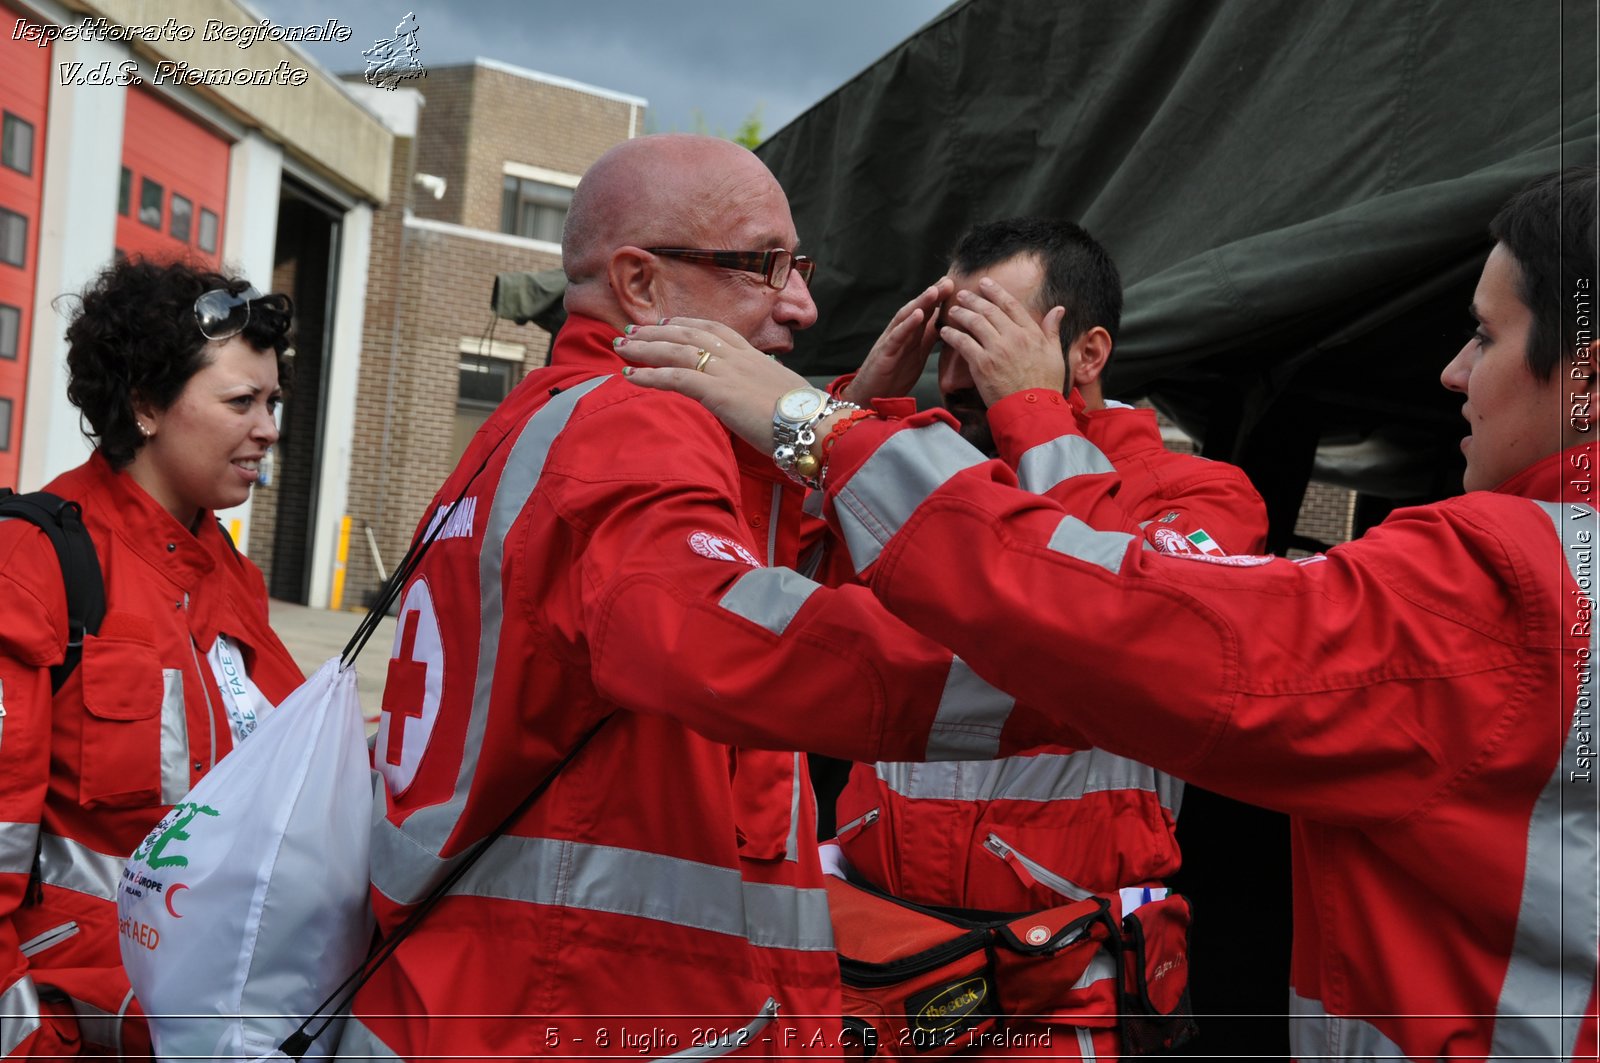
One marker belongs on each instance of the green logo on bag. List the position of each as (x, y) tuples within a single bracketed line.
[(158, 840)]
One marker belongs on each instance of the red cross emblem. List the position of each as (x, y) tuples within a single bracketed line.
[(411, 692), (404, 689)]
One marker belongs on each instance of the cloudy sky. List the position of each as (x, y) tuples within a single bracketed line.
[(710, 61)]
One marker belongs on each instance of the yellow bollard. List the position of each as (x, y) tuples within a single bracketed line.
[(336, 599)]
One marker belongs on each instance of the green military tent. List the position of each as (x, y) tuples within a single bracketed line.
[(1296, 193)]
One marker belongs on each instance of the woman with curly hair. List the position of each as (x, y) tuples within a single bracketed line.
[(176, 372)]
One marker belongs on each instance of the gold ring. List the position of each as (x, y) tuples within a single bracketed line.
[(700, 363)]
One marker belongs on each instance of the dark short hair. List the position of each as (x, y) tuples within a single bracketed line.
[(1078, 272), (1549, 228), (132, 338)]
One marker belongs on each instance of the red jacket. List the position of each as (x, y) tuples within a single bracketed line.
[(1420, 701), (86, 774), (1020, 833), (609, 561)]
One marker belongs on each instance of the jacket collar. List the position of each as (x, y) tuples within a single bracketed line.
[(1565, 476), (117, 502), (116, 507), (585, 343), (1118, 431)]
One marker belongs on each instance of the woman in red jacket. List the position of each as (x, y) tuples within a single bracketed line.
[(176, 372)]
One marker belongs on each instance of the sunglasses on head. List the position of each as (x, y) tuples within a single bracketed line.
[(221, 314)]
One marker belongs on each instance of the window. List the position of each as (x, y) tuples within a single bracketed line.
[(5, 425), (124, 191), (13, 238), (208, 231), (10, 330), (182, 215), (484, 383), (533, 208), (16, 144), (150, 203)]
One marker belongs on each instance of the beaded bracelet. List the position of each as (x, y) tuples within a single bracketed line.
[(842, 425)]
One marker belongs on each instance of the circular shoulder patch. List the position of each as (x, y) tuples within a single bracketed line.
[(1170, 542), (1235, 560), (721, 548)]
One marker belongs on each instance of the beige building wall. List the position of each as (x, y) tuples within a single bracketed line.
[(317, 122)]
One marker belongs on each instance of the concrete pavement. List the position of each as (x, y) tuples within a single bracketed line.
[(314, 635)]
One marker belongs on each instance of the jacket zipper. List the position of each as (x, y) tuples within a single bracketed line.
[(1041, 874), (734, 1040), (860, 823), (54, 936), (202, 674)]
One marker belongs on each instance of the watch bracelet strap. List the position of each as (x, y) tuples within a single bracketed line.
[(801, 448)]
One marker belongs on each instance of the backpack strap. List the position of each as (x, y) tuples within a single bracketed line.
[(227, 537), (62, 522)]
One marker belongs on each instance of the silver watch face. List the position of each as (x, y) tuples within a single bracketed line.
[(801, 404)]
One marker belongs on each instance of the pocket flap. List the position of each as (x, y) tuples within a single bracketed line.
[(121, 678)]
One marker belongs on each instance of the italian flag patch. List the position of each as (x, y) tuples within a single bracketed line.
[(1205, 543)]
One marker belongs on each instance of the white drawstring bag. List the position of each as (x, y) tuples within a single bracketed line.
[(247, 905)]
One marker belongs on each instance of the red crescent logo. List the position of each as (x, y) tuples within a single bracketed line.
[(171, 893)]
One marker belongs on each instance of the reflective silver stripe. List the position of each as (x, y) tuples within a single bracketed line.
[(732, 1040), (358, 1042), (1048, 464), (791, 848), (74, 866), (1076, 539), (812, 506), (1045, 777), (100, 1027), (970, 716), (773, 519), (1314, 1034), (1169, 791), (19, 1014), (910, 465), (54, 936), (405, 858), (174, 738), (1037, 871), (17, 843), (769, 597), (668, 889), (1551, 976)]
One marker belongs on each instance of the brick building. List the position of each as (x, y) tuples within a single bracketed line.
[(485, 159)]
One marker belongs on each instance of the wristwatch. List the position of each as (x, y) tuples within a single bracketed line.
[(793, 421)]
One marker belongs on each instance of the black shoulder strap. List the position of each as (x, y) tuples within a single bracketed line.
[(62, 522), (227, 537)]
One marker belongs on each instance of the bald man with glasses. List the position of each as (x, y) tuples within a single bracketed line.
[(615, 576)]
